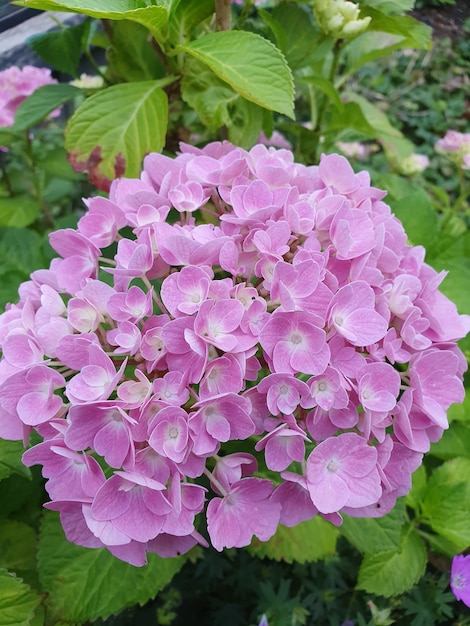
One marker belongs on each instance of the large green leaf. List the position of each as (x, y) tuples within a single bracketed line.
[(61, 48), (373, 535), (115, 128), (418, 217), (391, 573), (250, 64), (17, 601), (19, 211), (20, 251), (10, 459), (455, 442), (295, 33), (131, 58), (42, 102), (416, 34), (447, 502), (17, 546), (155, 18), (88, 584), (305, 543)]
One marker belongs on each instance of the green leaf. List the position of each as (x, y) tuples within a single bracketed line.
[(392, 139), (113, 130), (299, 36), (455, 285), (207, 94), (17, 546), (61, 48), (20, 251), (155, 18), (372, 535), (415, 496), (447, 501), (41, 102), (88, 584), (185, 15), (455, 442), (131, 58), (390, 6), (19, 211), (349, 117), (17, 601), (250, 64), (416, 34), (8, 135), (418, 217), (391, 573), (245, 123), (10, 459), (305, 543)]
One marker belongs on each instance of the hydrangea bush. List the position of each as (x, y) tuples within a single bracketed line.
[(231, 342)]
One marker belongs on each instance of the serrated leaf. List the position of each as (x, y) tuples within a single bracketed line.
[(19, 211), (250, 64), (17, 546), (373, 535), (61, 48), (418, 217), (89, 584), (17, 601), (446, 502), (305, 543), (10, 459), (41, 102), (391, 573), (155, 18), (113, 130)]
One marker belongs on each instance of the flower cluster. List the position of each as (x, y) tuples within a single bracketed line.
[(456, 146), (232, 337), (16, 85), (340, 19)]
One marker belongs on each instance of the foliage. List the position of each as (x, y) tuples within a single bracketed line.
[(187, 84)]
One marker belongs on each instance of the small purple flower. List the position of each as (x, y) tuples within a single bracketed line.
[(460, 578)]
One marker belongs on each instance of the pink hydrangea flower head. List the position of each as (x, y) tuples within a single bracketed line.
[(294, 329), (16, 84)]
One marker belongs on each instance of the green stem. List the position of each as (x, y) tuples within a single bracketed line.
[(323, 106), (38, 186)]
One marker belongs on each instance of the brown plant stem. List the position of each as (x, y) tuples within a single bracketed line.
[(223, 14)]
